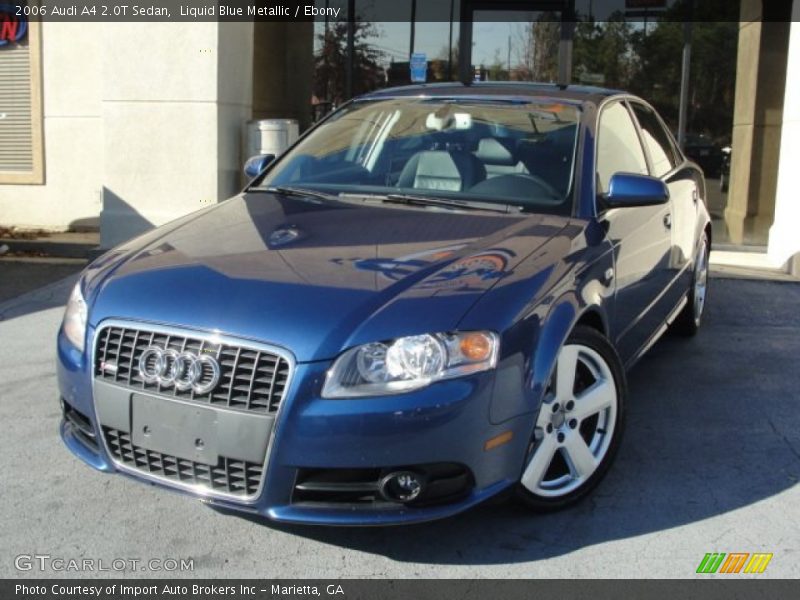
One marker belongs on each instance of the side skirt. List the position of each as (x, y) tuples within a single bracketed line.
[(673, 314)]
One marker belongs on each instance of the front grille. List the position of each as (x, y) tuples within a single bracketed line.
[(81, 426), (230, 475), (250, 379)]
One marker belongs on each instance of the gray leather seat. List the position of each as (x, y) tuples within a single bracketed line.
[(498, 158), (442, 170)]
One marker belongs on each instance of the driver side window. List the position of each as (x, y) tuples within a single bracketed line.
[(618, 146)]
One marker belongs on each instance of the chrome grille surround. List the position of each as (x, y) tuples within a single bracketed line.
[(193, 487), (251, 378)]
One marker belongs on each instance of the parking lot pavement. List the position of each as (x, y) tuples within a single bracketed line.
[(710, 463), (19, 275)]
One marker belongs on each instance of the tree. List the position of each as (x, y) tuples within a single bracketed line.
[(438, 66), (498, 70), (604, 49), (330, 82), (537, 43), (712, 82), (648, 61)]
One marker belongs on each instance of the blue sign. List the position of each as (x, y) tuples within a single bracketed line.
[(419, 67)]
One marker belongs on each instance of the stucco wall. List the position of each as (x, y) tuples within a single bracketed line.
[(142, 124), (173, 110), (73, 138)]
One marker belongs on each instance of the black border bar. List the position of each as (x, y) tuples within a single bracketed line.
[(714, 588), (388, 10)]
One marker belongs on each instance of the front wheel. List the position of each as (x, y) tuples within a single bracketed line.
[(579, 426)]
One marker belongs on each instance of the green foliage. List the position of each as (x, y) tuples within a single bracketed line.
[(604, 49), (330, 62), (646, 60)]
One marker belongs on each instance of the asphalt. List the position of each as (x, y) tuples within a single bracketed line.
[(710, 462), (20, 275)]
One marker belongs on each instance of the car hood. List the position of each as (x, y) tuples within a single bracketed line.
[(314, 277)]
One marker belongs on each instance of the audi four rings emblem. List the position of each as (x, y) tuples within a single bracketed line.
[(184, 370)]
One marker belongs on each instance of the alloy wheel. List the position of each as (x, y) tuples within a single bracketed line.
[(575, 425)]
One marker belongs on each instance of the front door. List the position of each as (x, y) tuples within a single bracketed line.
[(640, 235)]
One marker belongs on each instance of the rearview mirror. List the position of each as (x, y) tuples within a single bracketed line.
[(255, 165), (628, 189)]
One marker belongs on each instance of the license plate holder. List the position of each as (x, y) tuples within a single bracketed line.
[(175, 428)]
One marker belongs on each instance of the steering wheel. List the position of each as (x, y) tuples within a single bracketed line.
[(517, 184)]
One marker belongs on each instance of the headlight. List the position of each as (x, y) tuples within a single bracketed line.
[(74, 324), (409, 363)]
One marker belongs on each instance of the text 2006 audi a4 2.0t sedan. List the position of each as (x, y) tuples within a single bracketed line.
[(431, 298)]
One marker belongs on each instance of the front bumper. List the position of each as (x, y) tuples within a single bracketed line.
[(448, 422)]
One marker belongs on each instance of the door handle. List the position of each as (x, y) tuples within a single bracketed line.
[(668, 221)]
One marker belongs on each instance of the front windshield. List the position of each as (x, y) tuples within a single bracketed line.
[(519, 153)]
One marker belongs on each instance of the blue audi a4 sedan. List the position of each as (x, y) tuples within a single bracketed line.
[(431, 298)]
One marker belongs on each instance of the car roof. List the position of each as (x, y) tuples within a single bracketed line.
[(573, 94)]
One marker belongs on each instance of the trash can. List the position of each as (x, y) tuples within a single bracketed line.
[(270, 136)]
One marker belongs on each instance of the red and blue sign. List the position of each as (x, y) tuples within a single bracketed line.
[(13, 26)]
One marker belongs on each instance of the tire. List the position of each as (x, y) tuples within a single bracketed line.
[(688, 322), (574, 443)]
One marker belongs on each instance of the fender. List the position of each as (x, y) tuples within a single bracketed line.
[(559, 323), (557, 326)]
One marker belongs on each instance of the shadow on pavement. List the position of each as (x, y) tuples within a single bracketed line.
[(51, 295), (713, 426)]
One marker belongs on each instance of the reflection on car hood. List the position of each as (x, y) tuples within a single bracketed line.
[(316, 277)]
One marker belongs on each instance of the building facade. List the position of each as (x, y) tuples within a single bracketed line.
[(124, 126)]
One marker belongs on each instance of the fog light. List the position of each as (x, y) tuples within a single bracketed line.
[(402, 486)]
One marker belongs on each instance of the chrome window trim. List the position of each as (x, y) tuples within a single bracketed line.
[(200, 491)]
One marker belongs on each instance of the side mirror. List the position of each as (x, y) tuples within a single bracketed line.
[(255, 165), (627, 189)]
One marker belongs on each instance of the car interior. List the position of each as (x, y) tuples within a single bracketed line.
[(452, 153)]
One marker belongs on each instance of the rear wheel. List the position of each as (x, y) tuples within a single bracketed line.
[(579, 425), (688, 321)]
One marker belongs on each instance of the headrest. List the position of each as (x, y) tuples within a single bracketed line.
[(493, 152), (437, 163)]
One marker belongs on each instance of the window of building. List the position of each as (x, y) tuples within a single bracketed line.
[(618, 146), (21, 159)]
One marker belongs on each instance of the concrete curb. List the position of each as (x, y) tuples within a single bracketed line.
[(62, 249)]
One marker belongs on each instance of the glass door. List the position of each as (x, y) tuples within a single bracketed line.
[(514, 41)]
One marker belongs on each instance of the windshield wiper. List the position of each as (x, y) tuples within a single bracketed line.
[(408, 199), (451, 203), (299, 192)]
